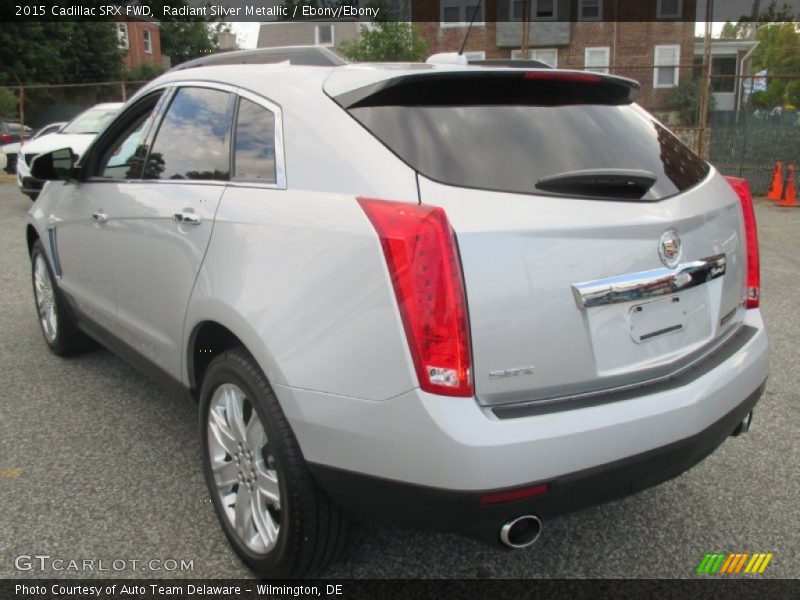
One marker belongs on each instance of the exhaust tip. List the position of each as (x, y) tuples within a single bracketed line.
[(744, 426), (521, 532)]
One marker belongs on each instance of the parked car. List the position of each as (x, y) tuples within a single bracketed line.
[(11, 151), (451, 298), (9, 141), (77, 135)]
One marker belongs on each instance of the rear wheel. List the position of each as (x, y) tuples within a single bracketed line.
[(58, 328), (272, 511)]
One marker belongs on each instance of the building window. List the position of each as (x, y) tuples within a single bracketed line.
[(548, 56), (323, 35), (665, 74), (668, 9), (597, 59), (590, 10), (540, 10), (458, 13), (122, 35), (148, 42)]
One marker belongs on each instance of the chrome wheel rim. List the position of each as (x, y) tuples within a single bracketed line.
[(45, 299), (244, 469)]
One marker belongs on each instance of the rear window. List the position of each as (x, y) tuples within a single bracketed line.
[(511, 147)]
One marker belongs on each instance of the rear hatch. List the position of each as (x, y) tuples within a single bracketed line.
[(597, 250)]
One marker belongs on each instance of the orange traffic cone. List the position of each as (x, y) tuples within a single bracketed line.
[(776, 187), (789, 197)]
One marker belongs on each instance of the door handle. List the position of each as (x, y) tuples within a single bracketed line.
[(99, 217), (188, 218)]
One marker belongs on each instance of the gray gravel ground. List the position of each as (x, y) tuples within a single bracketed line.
[(110, 465)]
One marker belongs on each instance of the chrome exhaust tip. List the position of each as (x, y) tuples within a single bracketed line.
[(744, 426), (521, 532)]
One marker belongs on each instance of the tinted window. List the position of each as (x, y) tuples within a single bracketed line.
[(123, 161), (193, 141), (510, 148), (254, 157)]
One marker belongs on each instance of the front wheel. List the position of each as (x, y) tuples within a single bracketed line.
[(271, 509), (59, 331)]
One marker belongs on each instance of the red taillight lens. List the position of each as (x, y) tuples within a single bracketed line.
[(421, 255), (742, 189), (5, 138), (563, 76)]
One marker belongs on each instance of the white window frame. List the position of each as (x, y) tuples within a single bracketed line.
[(597, 69), (464, 13), (534, 11), (148, 41), (333, 35), (660, 12), (676, 66), (582, 17), (122, 36)]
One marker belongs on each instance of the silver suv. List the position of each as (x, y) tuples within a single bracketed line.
[(465, 299)]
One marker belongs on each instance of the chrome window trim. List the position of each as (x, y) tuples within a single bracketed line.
[(280, 160)]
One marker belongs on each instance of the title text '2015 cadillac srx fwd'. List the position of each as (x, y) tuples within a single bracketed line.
[(454, 298)]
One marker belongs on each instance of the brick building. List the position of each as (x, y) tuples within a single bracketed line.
[(646, 41), (141, 40), (330, 34)]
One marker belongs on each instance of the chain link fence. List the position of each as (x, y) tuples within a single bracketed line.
[(41, 104)]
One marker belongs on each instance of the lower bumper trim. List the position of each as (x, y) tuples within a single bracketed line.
[(373, 499)]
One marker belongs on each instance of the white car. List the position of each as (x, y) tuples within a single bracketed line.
[(8, 152), (454, 298), (76, 135)]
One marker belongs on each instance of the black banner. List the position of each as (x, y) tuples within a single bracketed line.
[(490, 11), (218, 589)]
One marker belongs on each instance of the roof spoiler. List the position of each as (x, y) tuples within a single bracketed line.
[(493, 87)]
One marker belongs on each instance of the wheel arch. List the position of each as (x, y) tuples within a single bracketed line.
[(31, 235), (216, 329)]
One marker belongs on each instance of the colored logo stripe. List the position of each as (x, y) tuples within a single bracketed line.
[(733, 563)]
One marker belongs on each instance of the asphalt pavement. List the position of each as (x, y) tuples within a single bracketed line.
[(98, 463)]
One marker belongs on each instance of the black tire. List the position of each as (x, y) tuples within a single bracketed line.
[(68, 338), (313, 531), (32, 195)]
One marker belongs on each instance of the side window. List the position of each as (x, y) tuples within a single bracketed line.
[(123, 155), (193, 141), (254, 153)]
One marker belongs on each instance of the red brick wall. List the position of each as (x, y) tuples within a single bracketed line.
[(136, 54), (632, 43)]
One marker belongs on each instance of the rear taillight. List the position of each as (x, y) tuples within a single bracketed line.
[(563, 76), (6, 138), (422, 258), (742, 189)]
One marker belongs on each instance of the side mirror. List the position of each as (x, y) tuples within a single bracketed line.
[(58, 165)]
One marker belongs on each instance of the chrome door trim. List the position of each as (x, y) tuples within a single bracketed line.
[(648, 284), (280, 160)]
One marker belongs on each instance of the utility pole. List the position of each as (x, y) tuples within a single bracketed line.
[(526, 22), (705, 81), (21, 110)]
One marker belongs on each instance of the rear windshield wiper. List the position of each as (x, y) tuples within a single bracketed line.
[(606, 183)]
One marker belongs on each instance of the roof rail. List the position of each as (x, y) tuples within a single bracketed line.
[(314, 56)]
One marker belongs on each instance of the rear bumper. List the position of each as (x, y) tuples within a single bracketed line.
[(433, 509)]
